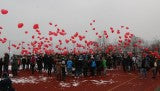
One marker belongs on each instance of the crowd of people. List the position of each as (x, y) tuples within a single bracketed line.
[(80, 65)]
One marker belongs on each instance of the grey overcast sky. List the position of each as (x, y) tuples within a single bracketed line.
[(142, 16)]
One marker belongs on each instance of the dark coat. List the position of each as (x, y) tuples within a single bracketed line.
[(6, 85), (15, 64)]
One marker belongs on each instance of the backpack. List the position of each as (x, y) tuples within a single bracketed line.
[(93, 64)]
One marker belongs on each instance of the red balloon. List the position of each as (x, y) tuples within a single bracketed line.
[(55, 25), (139, 41), (35, 26), (37, 31), (62, 33), (135, 45), (63, 30), (67, 41), (4, 11), (4, 40), (96, 33), (20, 25), (105, 32), (60, 41), (73, 41), (127, 28), (26, 32), (100, 36), (33, 37), (72, 37), (50, 33), (118, 31), (76, 34), (50, 38), (14, 45), (94, 29), (1, 27), (120, 41), (50, 23), (112, 30), (80, 38), (122, 26), (106, 36), (54, 33)]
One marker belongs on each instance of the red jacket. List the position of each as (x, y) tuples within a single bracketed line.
[(33, 60)]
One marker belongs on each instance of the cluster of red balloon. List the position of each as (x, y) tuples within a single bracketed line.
[(62, 32), (3, 40), (42, 44)]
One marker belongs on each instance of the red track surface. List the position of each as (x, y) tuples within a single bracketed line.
[(123, 82)]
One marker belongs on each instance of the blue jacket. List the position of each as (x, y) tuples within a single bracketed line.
[(69, 64)]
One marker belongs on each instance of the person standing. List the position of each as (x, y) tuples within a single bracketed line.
[(32, 63), (154, 68), (109, 58), (99, 65), (93, 66), (129, 63), (124, 63), (24, 62), (6, 62), (139, 62), (58, 71), (39, 63), (144, 68), (85, 68), (49, 64), (6, 83), (14, 64), (45, 58), (134, 62), (28, 61), (1, 64), (158, 65), (69, 67), (63, 65), (19, 62), (104, 65)]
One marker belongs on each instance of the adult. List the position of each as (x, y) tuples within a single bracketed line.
[(63, 65), (14, 67), (24, 60), (1, 64), (6, 62), (144, 68), (49, 64), (85, 67), (32, 63), (104, 65), (69, 66), (39, 63), (93, 66), (6, 83), (58, 71)]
